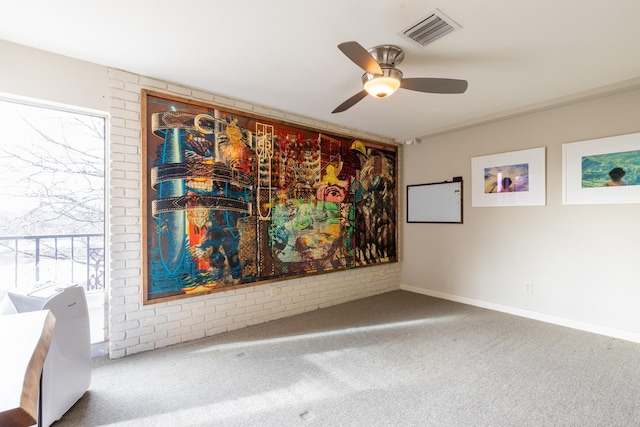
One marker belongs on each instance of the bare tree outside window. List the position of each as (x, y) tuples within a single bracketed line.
[(51, 197), (51, 171)]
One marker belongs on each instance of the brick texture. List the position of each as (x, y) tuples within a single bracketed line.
[(136, 328)]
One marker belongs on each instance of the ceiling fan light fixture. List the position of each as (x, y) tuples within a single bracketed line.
[(382, 78), (381, 86)]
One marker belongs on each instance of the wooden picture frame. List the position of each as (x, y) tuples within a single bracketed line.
[(234, 199)]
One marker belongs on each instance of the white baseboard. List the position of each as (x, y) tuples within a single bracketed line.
[(588, 327)]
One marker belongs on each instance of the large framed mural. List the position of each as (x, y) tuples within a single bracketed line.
[(232, 199)]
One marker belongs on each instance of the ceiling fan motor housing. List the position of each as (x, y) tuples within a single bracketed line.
[(387, 54), (381, 86)]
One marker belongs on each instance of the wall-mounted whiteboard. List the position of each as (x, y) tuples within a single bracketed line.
[(436, 202)]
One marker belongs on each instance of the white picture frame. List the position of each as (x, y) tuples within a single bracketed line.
[(586, 166), (516, 178)]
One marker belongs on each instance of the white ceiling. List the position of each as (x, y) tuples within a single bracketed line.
[(283, 54)]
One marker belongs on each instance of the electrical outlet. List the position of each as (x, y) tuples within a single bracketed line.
[(275, 291), (528, 287)]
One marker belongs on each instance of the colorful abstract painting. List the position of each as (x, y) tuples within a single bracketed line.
[(232, 199)]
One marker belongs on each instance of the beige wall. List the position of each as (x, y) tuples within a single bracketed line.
[(44, 76), (583, 260)]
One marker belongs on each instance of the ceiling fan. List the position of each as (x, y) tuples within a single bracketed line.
[(382, 78)]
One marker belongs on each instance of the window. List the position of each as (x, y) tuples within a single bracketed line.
[(52, 201)]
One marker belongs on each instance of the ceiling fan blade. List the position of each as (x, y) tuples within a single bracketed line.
[(433, 85), (350, 102), (358, 54)]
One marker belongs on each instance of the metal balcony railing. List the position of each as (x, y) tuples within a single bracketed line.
[(63, 258)]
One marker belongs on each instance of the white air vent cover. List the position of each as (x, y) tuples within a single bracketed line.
[(430, 28)]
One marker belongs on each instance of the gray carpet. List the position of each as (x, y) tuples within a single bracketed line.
[(396, 359)]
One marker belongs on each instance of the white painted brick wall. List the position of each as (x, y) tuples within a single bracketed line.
[(135, 328)]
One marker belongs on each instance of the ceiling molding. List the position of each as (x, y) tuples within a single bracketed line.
[(613, 89)]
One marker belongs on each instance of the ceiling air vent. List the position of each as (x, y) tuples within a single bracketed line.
[(430, 28)]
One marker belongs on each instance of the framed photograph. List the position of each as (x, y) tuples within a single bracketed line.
[(516, 178), (233, 199), (601, 171)]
